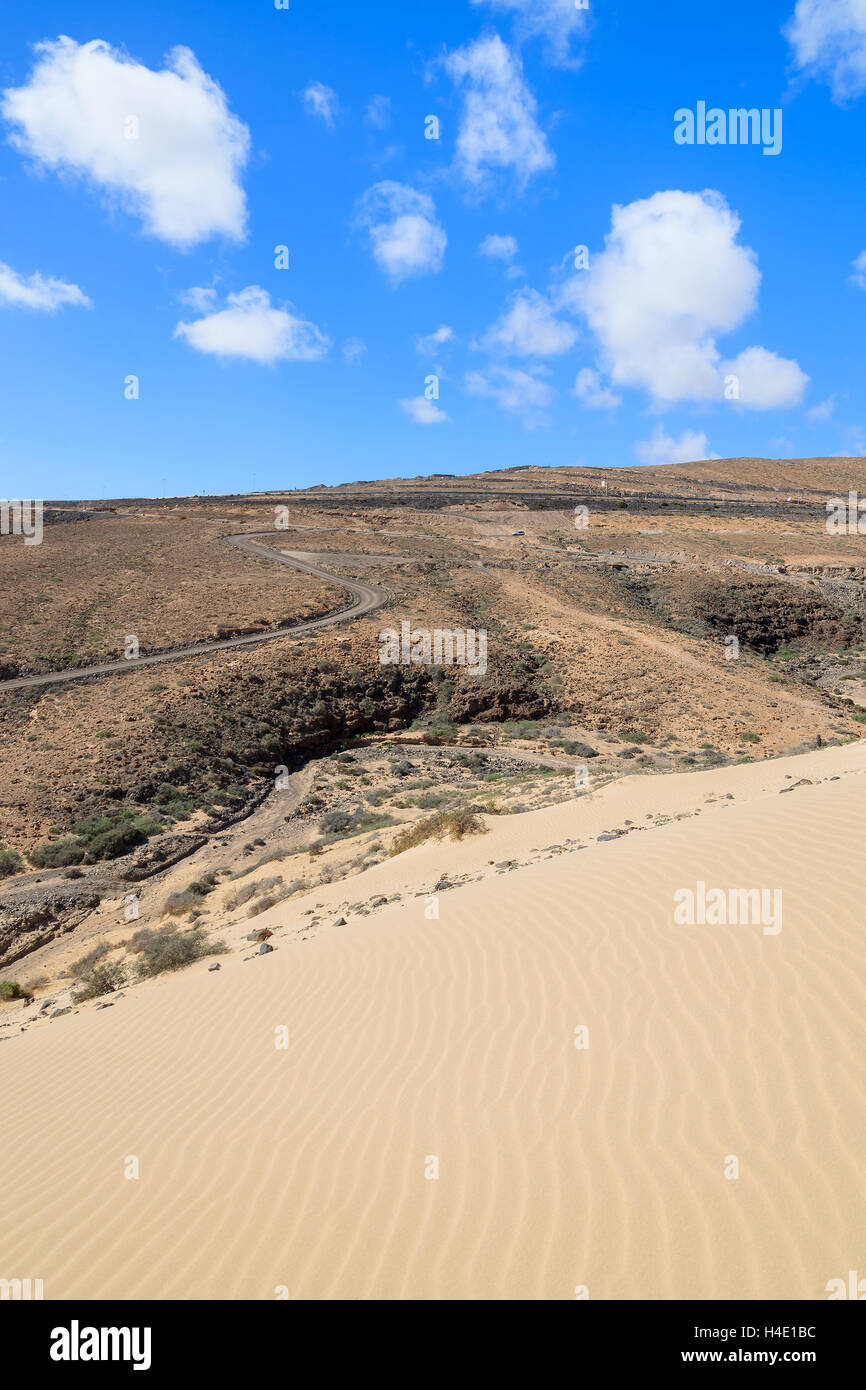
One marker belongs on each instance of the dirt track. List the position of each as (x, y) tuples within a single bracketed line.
[(366, 599)]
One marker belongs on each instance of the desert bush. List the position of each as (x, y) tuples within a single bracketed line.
[(56, 853), (176, 904), (98, 837), (431, 801), (202, 886), (103, 979), (170, 949), (85, 964), (10, 989), (251, 890), (459, 822), (10, 862), (242, 896)]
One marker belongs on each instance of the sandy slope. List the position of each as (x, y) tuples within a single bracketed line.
[(454, 1038)]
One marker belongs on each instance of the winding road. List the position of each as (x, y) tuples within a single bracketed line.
[(366, 598)]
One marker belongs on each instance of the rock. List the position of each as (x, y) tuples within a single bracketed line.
[(58, 1013), (803, 782), (106, 1004), (264, 949), (340, 922), (215, 966)]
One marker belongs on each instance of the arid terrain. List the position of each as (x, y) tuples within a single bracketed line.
[(404, 851), (609, 622)]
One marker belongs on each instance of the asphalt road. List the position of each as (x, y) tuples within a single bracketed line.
[(366, 598)]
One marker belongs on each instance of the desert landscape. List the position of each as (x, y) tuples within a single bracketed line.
[(565, 1001)]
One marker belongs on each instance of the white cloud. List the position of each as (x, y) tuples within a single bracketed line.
[(498, 126), (558, 22), (180, 175), (423, 412), (201, 298), (354, 351), (379, 112), (321, 101), (251, 328), (522, 393), (405, 237), (589, 390), (828, 38), (499, 248), (529, 328), (38, 292), (428, 343), (663, 448), (672, 276), (766, 381), (823, 410), (859, 276)]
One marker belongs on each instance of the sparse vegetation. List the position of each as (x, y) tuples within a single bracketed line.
[(98, 837), (10, 862), (10, 989), (85, 964), (170, 949), (456, 823), (102, 979)]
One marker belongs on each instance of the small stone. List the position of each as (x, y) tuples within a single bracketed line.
[(340, 922), (265, 949), (58, 1013), (215, 966)]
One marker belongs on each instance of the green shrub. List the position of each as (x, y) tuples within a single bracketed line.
[(57, 853), (169, 949), (103, 979), (98, 837), (10, 989), (10, 862)]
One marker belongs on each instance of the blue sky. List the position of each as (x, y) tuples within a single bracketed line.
[(720, 310)]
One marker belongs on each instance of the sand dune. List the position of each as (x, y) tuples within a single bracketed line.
[(454, 1039)]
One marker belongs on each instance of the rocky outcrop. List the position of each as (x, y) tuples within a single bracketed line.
[(32, 918)]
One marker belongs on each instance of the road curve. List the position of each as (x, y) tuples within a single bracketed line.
[(366, 598)]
